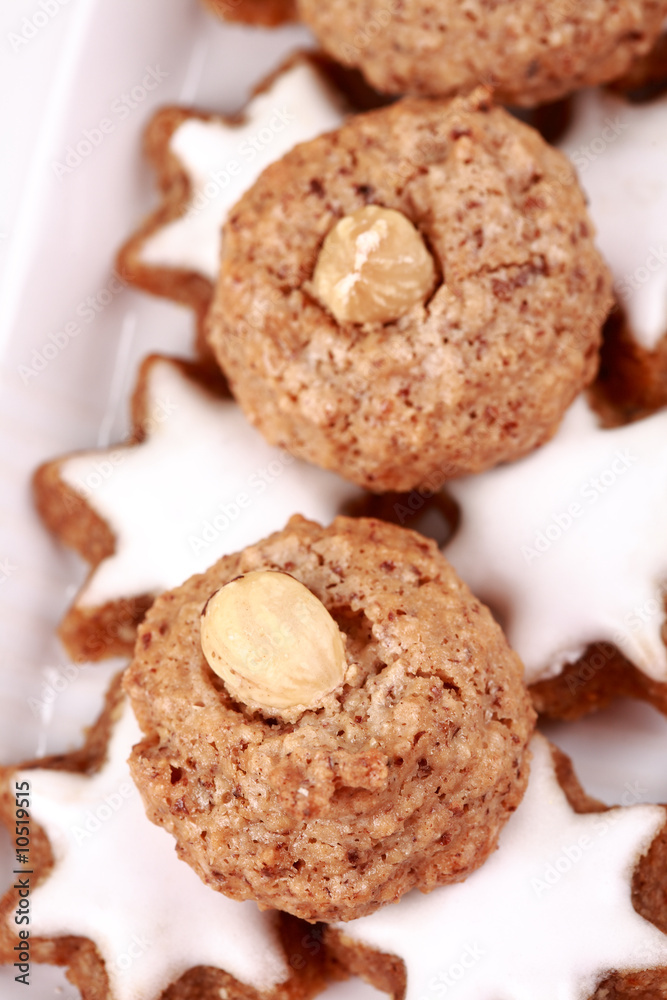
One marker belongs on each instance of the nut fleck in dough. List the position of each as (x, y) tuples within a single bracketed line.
[(480, 373), (402, 778), (529, 51)]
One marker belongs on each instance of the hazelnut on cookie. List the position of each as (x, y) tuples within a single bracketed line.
[(330, 719), (529, 51), (412, 297)]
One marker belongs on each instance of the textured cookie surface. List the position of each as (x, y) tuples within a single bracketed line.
[(480, 373), (531, 51), (403, 777)]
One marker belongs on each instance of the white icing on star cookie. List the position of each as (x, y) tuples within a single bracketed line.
[(118, 881), (548, 915), (224, 160), (620, 152), (202, 485), (569, 545)]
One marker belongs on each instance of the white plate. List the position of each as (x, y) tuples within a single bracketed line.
[(68, 65)]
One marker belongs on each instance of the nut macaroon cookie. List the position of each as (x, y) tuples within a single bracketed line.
[(529, 51), (330, 719), (412, 297)]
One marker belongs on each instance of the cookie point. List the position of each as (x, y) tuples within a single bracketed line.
[(273, 643), (373, 267)]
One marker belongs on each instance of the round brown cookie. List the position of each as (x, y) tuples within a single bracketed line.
[(529, 51), (402, 777), (480, 373)]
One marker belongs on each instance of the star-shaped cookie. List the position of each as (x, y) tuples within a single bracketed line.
[(620, 151), (201, 484), (204, 163), (549, 915), (569, 545), (267, 13), (108, 896)]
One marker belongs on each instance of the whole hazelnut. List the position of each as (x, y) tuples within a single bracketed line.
[(373, 267)]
